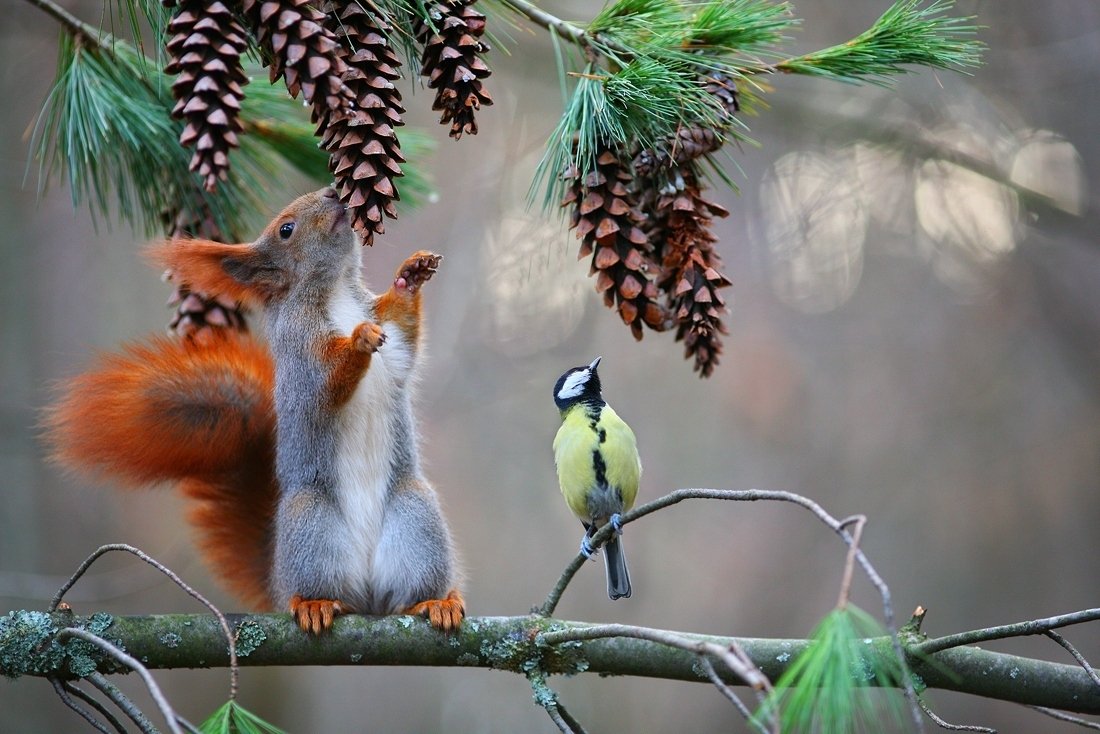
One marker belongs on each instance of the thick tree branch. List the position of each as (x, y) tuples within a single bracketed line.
[(516, 644)]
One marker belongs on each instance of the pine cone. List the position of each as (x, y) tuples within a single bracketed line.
[(451, 60), (199, 316), (690, 275), (365, 153), (693, 141), (608, 225), (205, 46), (302, 49)]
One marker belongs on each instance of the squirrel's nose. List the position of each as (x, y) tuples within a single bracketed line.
[(328, 193)]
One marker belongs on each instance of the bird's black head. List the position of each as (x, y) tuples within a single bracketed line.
[(578, 385)]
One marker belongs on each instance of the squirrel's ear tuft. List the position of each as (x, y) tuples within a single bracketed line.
[(241, 272)]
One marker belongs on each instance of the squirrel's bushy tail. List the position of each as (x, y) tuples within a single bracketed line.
[(198, 414)]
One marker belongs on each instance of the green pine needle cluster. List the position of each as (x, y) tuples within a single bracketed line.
[(741, 25), (136, 14), (232, 718), (106, 129), (650, 77), (641, 75), (839, 685), (906, 34)]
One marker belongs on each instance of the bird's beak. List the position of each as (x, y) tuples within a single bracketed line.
[(595, 363)]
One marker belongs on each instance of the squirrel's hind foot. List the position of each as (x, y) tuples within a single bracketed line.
[(315, 615), (444, 614)]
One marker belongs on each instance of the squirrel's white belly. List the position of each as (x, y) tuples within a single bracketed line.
[(365, 450)]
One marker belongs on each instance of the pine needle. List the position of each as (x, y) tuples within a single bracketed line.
[(232, 718), (745, 26), (905, 34), (106, 128), (839, 685), (587, 121)]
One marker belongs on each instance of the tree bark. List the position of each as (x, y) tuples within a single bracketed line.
[(501, 643)]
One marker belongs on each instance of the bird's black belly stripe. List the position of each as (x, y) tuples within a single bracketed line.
[(600, 468)]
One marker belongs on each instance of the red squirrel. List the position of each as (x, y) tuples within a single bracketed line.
[(300, 456)]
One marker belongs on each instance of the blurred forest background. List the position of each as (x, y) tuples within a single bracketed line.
[(909, 339)]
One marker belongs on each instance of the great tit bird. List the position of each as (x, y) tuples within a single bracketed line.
[(598, 465)]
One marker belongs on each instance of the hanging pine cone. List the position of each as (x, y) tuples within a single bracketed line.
[(690, 275), (365, 153), (451, 60), (692, 141), (197, 315), (301, 48), (608, 225), (205, 47)]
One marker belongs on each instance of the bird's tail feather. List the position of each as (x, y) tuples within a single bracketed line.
[(618, 579)]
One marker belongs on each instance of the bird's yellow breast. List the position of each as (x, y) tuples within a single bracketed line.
[(596, 452)]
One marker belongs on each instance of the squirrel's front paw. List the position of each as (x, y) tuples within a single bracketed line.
[(368, 337), (315, 615), (417, 270)]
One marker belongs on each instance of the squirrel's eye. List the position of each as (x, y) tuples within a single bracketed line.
[(286, 230)]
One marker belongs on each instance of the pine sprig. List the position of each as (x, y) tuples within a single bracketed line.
[(838, 685), (232, 718), (137, 14), (106, 129), (106, 126), (906, 34), (589, 121), (741, 26)]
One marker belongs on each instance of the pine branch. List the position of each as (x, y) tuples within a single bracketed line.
[(106, 127), (906, 34), (500, 643)]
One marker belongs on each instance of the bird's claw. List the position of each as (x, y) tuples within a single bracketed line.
[(617, 523), (586, 548)]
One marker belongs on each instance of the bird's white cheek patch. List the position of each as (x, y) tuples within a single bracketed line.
[(574, 385)]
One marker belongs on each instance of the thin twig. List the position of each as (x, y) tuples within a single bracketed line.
[(191, 728), (120, 699), (537, 15), (756, 495), (563, 713), (1018, 629), (548, 698), (133, 664), (727, 691), (1063, 716), (234, 670), (850, 562), (63, 694), (952, 727), (91, 701), (748, 673), (555, 716), (87, 698), (1075, 653), (74, 25)]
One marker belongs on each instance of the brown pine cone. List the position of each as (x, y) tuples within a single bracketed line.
[(451, 59), (301, 48), (608, 225), (205, 47), (690, 275), (365, 153), (199, 316), (692, 141)]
